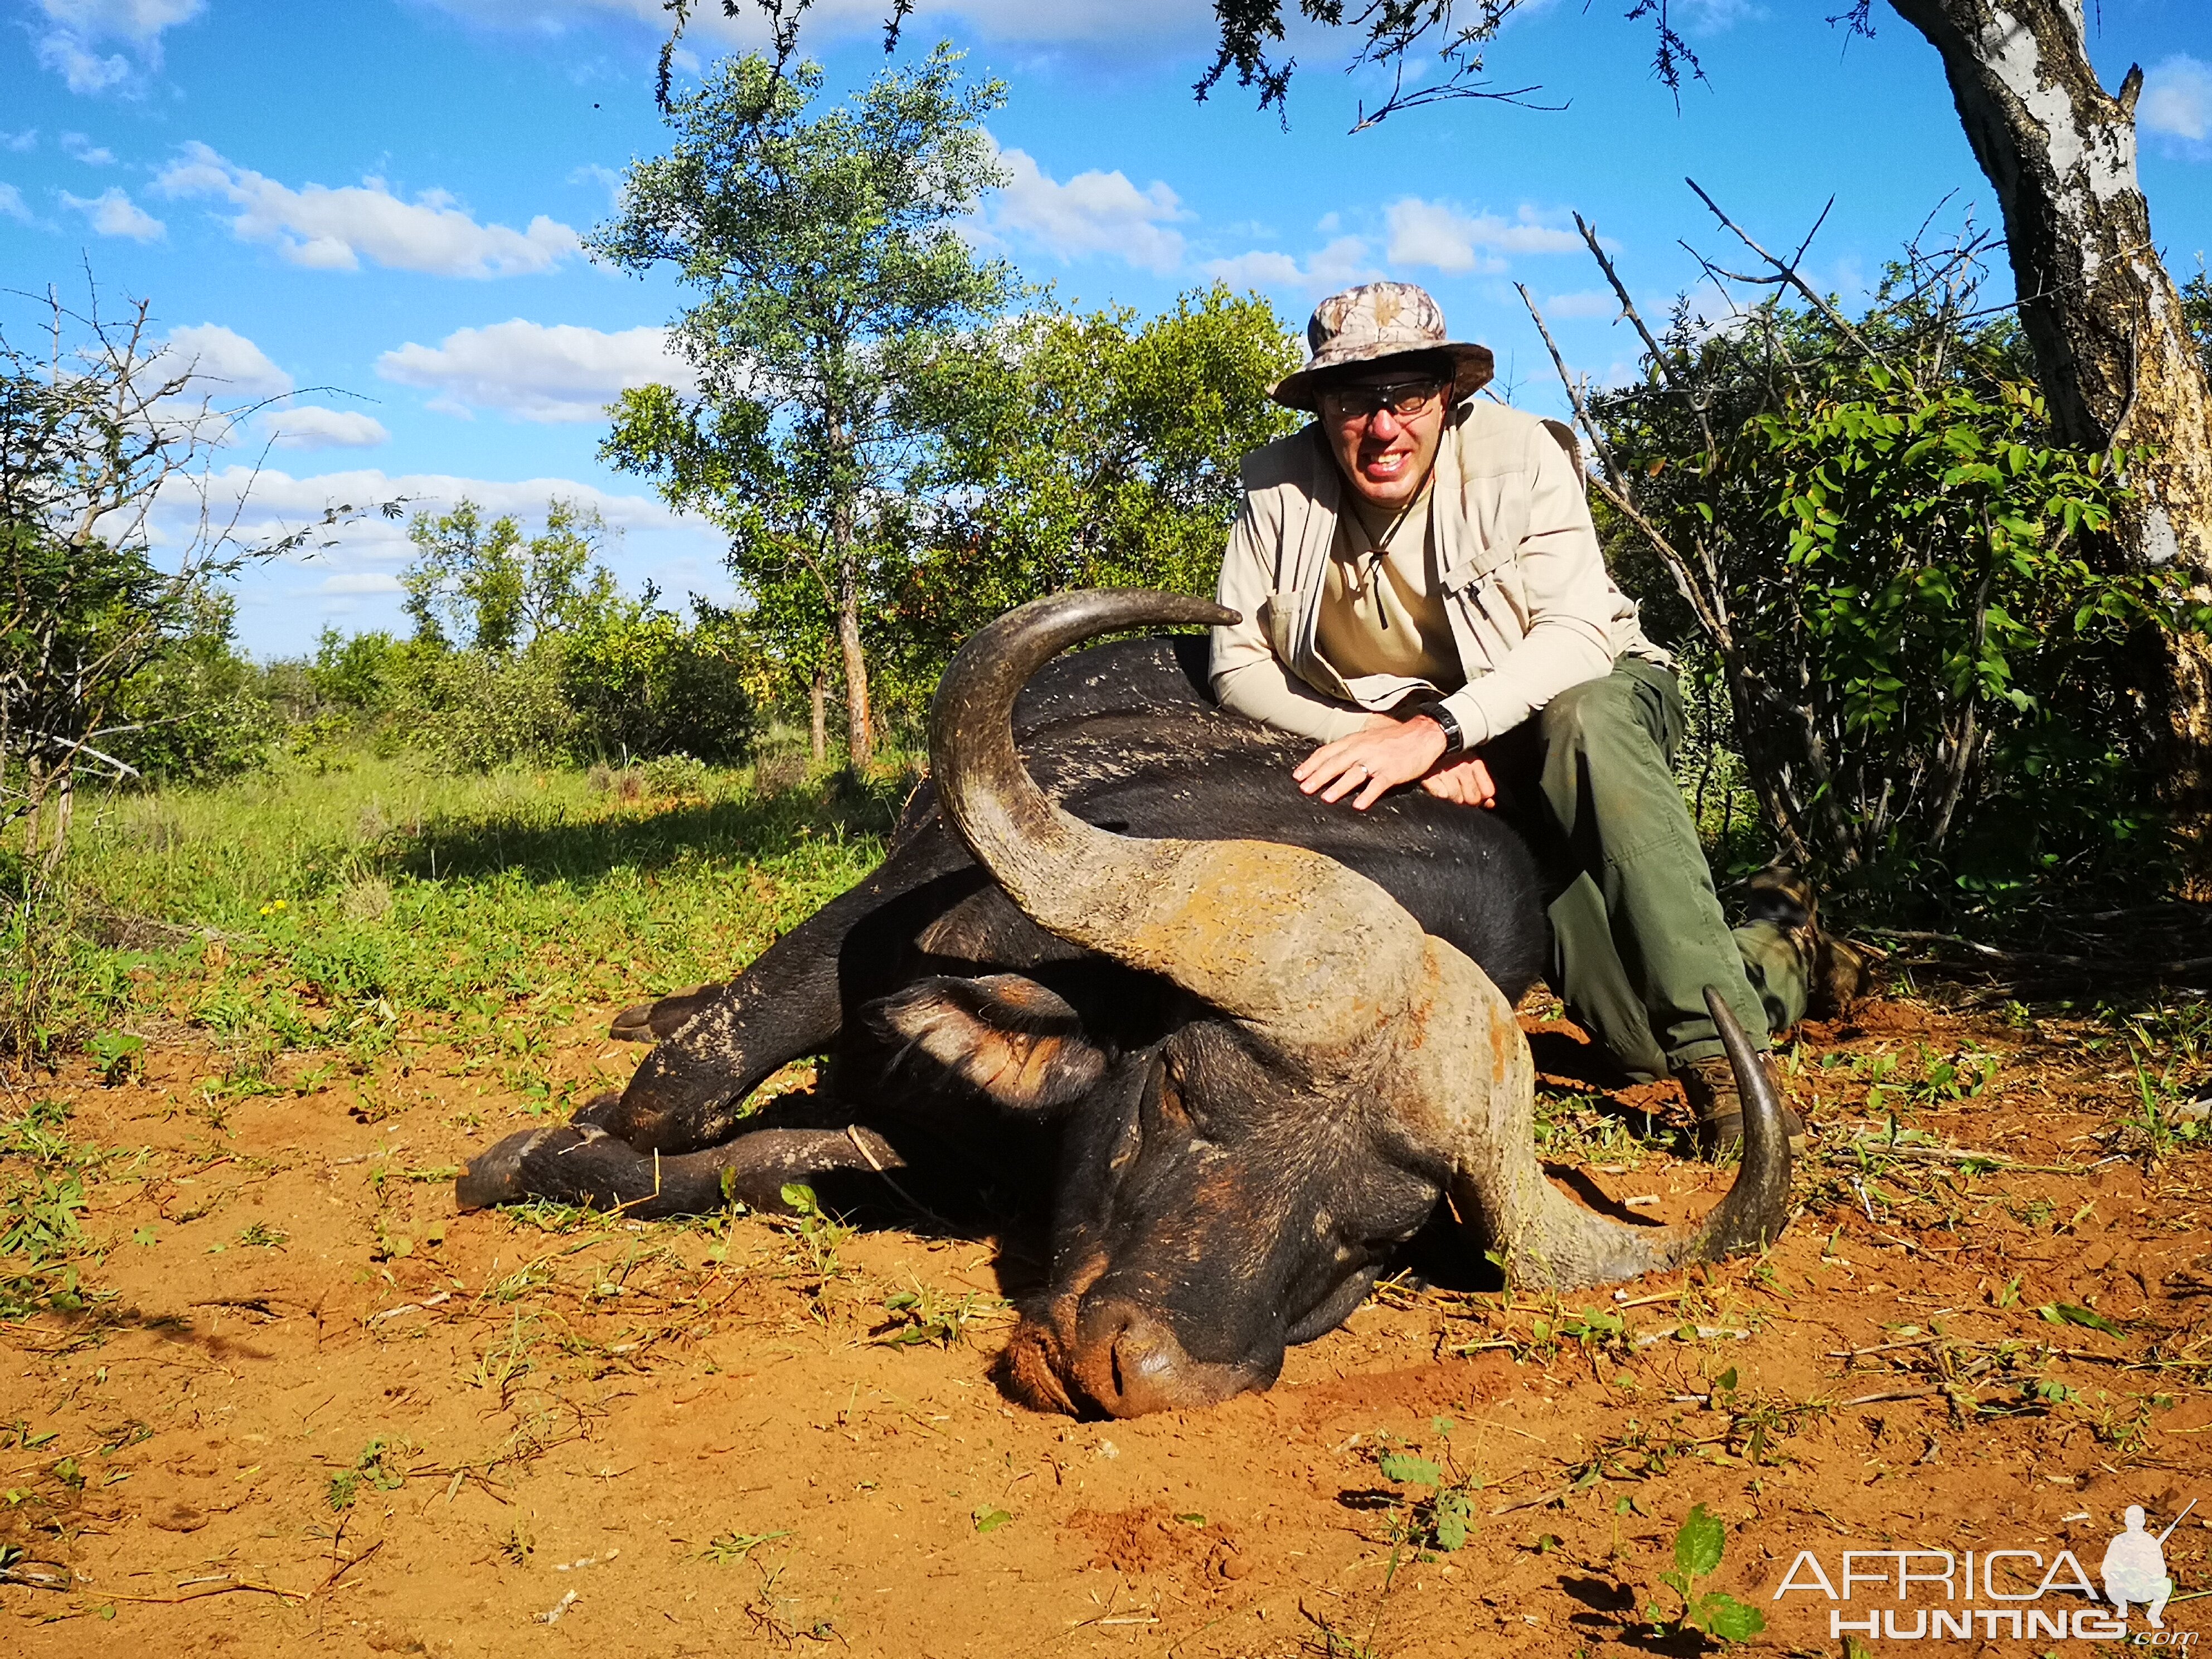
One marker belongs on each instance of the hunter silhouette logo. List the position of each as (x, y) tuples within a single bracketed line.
[(2135, 1568), (1990, 1594)]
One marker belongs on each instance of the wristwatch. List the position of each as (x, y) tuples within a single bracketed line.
[(1454, 738)]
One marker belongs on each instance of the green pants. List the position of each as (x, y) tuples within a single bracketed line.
[(1637, 929)]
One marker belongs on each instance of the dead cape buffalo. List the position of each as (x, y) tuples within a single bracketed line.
[(1235, 1044)]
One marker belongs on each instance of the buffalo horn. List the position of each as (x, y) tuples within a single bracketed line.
[(1542, 1238), (1291, 942)]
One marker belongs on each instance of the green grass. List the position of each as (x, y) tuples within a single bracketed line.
[(293, 911), (340, 916)]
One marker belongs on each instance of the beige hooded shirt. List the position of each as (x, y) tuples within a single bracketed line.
[(1529, 605)]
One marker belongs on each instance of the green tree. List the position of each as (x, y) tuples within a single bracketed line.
[(95, 420), (826, 250), (496, 591), (1090, 450), (2196, 312), (352, 672), (198, 712)]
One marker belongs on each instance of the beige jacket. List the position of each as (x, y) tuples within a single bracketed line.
[(1531, 607)]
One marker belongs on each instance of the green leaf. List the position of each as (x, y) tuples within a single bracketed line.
[(800, 1198), (1697, 1546), (1414, 1471), (2065, 1312), (988, 1519), (1725, 1617), (1450, 1529)]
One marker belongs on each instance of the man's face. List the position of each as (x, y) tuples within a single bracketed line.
[(1384, 426)]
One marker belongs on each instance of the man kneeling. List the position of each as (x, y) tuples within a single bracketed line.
[(1423, 594)]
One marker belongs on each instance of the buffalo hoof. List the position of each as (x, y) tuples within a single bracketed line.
[(598, 1112), (651, 1022), (496, 1177)]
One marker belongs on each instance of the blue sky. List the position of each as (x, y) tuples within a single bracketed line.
[(368, 210)]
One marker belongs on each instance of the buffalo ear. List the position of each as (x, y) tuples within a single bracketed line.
[(1003, 1036)]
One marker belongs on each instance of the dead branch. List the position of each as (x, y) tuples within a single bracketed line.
[(1787, 272), (1614, 486)]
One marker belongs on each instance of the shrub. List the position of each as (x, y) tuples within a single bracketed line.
[(473, 710), (644, 683), (198, 712), (679, 777), (355, 673), (1898, 574)]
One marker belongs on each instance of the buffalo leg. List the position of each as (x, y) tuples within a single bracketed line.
[(575, 1163), (690, 1092)]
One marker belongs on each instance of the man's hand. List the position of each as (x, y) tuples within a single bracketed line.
[(1466, 781), (1373, 761)]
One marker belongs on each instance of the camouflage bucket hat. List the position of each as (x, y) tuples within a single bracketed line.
[(1375, 321)]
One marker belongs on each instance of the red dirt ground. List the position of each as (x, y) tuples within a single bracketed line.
[(663, 1439)]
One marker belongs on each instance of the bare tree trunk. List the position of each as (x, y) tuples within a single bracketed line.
[(859, 735), (817, 710), (2112, 352)]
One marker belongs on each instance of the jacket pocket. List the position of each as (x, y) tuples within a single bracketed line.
[(1282, 623), (1488, 620)]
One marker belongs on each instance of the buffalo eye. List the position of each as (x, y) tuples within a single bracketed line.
[(1126, 1148)]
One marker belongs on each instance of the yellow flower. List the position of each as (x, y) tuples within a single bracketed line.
[(264, 909), (278, 905)]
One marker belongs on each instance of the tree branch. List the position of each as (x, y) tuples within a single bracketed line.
[(1787, 272)]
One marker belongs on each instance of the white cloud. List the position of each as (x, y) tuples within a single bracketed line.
[(2177, 98), (605, 177), (20, 142), (1438, 234), (113, 213), (1717, 16), (311, 426), (1258, 269), (1094, 212), (135, 21), (11, 203), (327, 229), (1342, 262), (85, 70), (68, 43), (1590, 302), (78, 148), (536, 372), (227, 365), (270, 502)]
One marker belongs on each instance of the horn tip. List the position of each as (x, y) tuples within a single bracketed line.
[(1756, 1208)]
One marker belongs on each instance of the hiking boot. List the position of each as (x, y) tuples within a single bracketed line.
[(1836, 970), (1716, 1106)]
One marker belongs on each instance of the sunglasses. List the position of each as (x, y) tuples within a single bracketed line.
[(1403, 399)]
